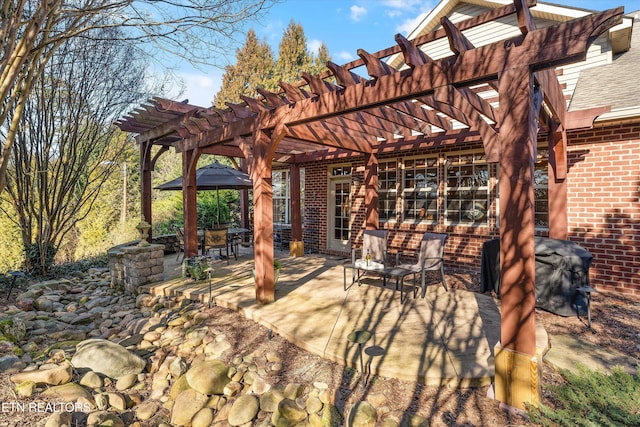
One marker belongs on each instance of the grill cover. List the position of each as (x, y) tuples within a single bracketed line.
[(562, 266)]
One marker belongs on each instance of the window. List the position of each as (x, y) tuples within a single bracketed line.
[(420, 190), (541, 190), (387, 190), (281, 182), (467, 189)]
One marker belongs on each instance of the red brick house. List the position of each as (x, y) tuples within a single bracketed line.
[(425, 190)]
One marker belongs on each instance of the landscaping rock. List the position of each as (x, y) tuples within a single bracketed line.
[(244, 409), (187, 404), (208, 377), (107, 358), (55, 376), (70, 392), (362, 414), (146, 410)]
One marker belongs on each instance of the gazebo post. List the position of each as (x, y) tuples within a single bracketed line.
[(517, 366)]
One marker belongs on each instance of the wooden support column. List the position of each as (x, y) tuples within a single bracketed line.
[(146, 167), (296, 247), (516, 365), (371, 192), (558, 220), (244, 207), (260, 171), (189, 191)]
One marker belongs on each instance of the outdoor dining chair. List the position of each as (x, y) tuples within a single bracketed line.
[(371, 257), (216, 239), (179, 245), (430, 257)]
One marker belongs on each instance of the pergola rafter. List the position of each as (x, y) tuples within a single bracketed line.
[(426, 104)]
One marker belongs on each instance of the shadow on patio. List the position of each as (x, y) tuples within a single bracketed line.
[(447, 338)]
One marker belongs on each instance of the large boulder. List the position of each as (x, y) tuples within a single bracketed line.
[(107, 358)]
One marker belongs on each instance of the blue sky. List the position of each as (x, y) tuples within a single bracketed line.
[(344, 26)]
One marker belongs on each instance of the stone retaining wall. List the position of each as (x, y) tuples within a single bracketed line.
[(133, 266)]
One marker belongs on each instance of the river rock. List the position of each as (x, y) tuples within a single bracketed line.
[(25, 389), (126, 382), (362, 414), (146, 410), (107, 358), (269, 400), (55, 376), (244, 409), (208, 377), (91, 380), (187, 404), (104, 419), (70, 392), (290, 411), (203, 418), (59, 419)]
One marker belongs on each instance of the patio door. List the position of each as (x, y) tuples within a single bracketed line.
[(339, 232)]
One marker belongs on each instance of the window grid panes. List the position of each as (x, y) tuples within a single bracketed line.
[(281, 197), (420, 190), (387, 189), (467, 189), (541, 190)]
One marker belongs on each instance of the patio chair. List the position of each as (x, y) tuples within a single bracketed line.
[(371, 257), (430, 257), (216, 239), (179, 244)]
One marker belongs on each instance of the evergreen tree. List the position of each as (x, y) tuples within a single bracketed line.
[(293, 55), (320, 60), (253, 69)]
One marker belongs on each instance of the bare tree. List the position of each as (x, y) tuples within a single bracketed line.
[(66, 146), (32, 30)]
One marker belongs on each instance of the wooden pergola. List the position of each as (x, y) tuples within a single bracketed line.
[(429, 103)]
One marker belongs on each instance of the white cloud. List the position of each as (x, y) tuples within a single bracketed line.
[(403, 5), (410, 24), (345, 55), (314, 45), (357, 12), (201, 88)]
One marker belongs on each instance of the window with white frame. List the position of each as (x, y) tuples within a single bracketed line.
[(467, 189), (281, 183), (420, 190), (387, 189)]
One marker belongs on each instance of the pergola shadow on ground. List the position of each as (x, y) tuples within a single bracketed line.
[(447, 338)]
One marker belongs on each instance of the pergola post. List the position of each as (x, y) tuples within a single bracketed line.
[(371, 192), (189, 191), (296, 246), (145, 181), (557, 187), (244, 206), (260, 172), (517, 366)]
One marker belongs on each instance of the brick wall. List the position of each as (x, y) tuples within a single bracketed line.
[(604, 203), (603, 209)]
